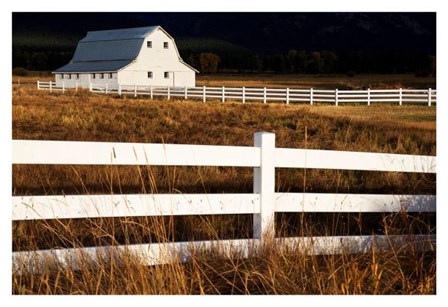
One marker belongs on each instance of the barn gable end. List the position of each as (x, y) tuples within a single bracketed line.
[(136, 56)]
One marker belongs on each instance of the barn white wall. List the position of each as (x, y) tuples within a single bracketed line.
[(107, 79), (72, 81), (184, 78), (158, 60), (84, 80)]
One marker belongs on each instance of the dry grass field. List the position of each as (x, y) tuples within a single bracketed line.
[(85, 116), (320, 81), (362, 81)]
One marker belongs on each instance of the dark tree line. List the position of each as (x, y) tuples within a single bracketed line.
[(326, 62), (320, 62), (290, 62), (39, 59)]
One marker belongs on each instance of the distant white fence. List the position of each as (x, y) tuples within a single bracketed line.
[(245, 94), (264, 157), (51, 86)]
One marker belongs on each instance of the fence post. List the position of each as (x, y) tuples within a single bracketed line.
[(203, 94), (264, 185), (244, 94), (287, 95), (90, 86), (336, 97), (63, 87), (135, 90), (38, 85), (51, 87), (168, 92), (185, 93), (400, 98), (264, 95), (76, 86), (150, 92), (106, 88), (368, 96), (311, 96), (429, 97), (223, 94), (119, 89)]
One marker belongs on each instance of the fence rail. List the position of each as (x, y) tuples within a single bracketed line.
[(247, 94), (264, 157), (94, 206)]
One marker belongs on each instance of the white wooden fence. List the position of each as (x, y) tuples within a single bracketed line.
[(265, 95), (264, 157)]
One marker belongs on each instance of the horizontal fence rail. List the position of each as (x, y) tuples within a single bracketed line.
[(95, 153), (264, 157), (247, 94), (347, 160), (93, 206)]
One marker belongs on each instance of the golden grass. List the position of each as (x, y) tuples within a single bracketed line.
[(362, 81), (270, 272), (373, 81), (87, 117), (423, 118)]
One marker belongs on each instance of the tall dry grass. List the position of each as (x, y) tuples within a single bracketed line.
[(83, 116), (269, 271), (362, 81)]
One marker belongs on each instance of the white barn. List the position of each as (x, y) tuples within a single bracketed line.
[(135, 56)]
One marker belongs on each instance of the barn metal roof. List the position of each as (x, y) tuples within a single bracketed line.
[(111, 45), (108, 50), (113, 50), (93, 66), (119, 34)]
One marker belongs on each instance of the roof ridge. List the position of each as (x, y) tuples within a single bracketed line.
[(119, 34), (121, 29), (109, 40)]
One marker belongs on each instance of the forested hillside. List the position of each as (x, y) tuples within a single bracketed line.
[(312, 43)]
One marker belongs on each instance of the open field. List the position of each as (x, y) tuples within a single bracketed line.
[(84, 116), (320, 81), (373, 81)]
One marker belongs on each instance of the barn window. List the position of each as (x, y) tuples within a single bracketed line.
[(149, 44), (69, 76), (93, 76), (76, 76), (166, 74), (149, 74), (110, 76), (101, 76), (165, 45)]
